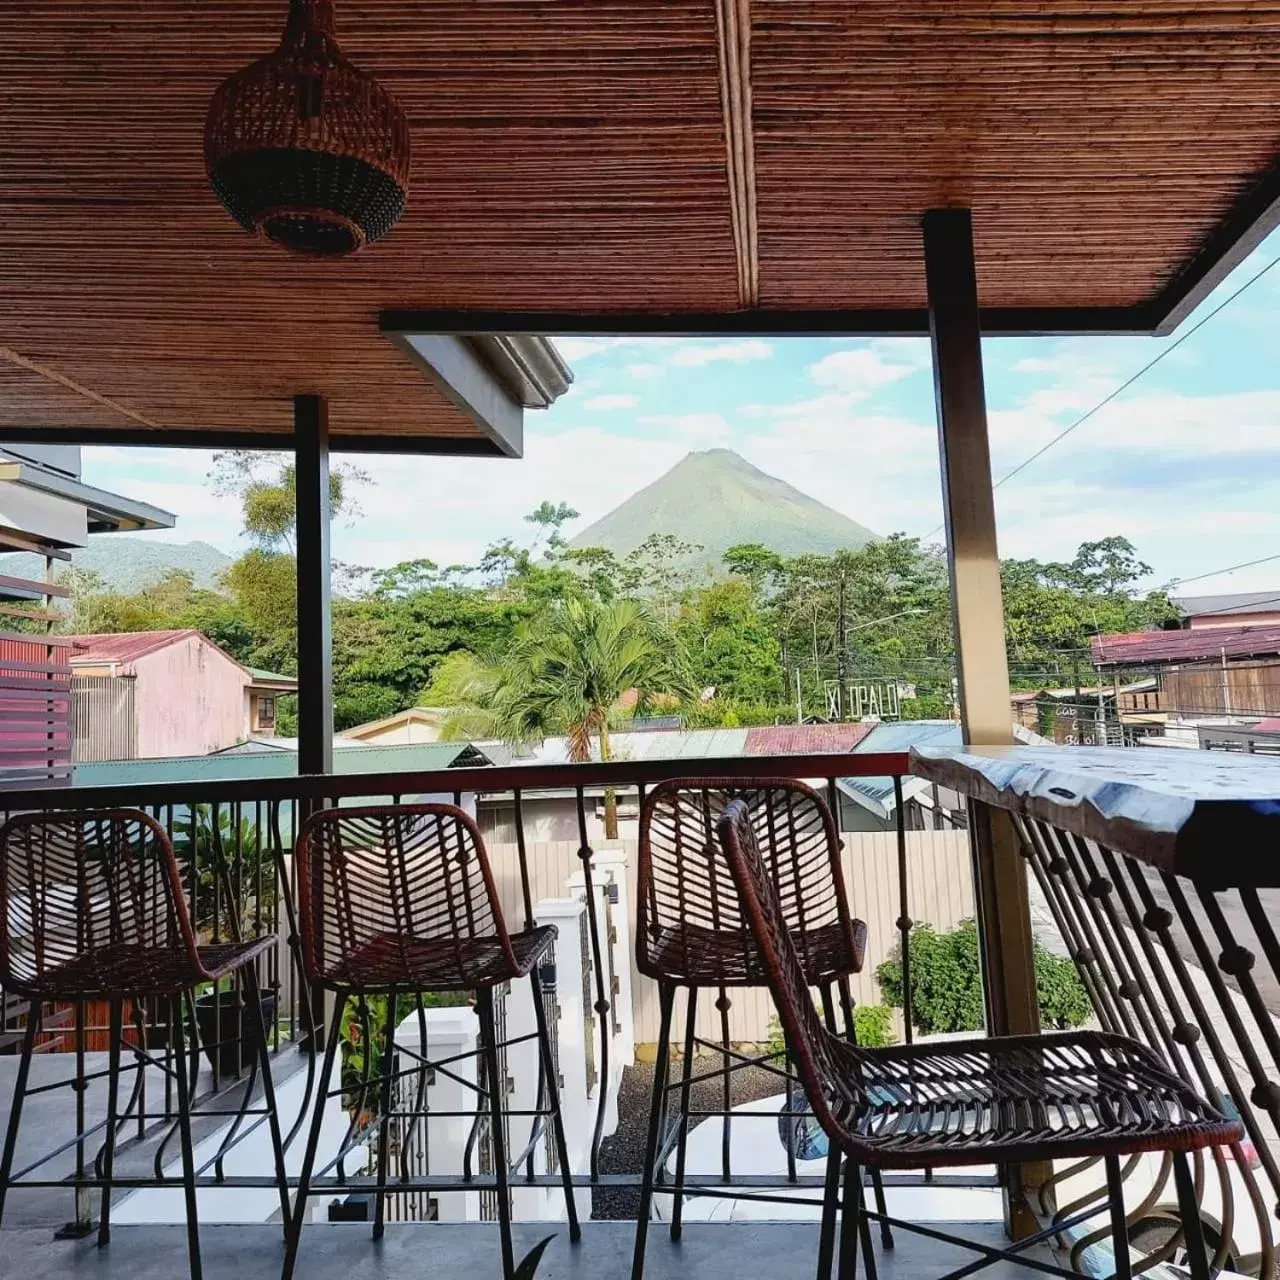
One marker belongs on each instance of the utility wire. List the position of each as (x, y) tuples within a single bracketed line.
[(1128, 382), (1213, 573)]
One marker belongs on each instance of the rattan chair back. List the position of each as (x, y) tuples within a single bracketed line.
[(808, 1040), (400, 895), (690, 924), (86, 895)]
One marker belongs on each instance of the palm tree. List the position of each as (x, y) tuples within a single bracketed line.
[(565, 673)]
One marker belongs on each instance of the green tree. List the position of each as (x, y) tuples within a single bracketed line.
[(731, 646), (760, 566), (266, 485), (565, 673)]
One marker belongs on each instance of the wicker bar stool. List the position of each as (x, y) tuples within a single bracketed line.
[(999, 1100), (691, 933), (399, 901), (93, 909)]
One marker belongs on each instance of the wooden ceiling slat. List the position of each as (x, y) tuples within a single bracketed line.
[(574, 157), (1097, 149), (558, 147)]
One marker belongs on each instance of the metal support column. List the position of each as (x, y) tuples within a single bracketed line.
[(315, 633), (978, 616), (315, 644)]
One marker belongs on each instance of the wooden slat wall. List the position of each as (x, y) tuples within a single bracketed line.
[(940, 889), (1252, 688), (35, 711)]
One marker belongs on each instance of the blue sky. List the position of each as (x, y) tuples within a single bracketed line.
[(1186, 463)]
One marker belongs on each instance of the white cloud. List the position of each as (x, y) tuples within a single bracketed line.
[(612, 401), (861, 371), (645, 372), (702, 353)]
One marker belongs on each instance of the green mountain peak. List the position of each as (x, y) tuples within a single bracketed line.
[(716, 499)]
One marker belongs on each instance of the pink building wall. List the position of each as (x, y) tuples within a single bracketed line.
[(190, 700), (1211, 621)]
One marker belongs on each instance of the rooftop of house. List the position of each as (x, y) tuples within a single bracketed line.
[(127, 646), (279, 759), (1157, 648), (1232, 602)]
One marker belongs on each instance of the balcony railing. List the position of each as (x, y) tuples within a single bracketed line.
[(1156, 871), (1170, 950), (234, 841)]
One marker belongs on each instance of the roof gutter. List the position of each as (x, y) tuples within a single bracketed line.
[(490, 378), (106, 512)]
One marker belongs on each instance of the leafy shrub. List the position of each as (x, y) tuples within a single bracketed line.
[(872, 1024), (946, 983)]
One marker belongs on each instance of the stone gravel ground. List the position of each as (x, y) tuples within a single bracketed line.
[(624, 1151)]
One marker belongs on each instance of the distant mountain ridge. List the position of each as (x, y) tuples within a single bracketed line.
[(717, 500), (127, 563)]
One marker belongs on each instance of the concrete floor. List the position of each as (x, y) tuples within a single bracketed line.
[(772, 1251), (709, 1251)]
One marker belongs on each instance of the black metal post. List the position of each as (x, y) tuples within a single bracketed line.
[(315, 644)]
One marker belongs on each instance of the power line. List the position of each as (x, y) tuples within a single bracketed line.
[(1214, 573), (1128, 382)]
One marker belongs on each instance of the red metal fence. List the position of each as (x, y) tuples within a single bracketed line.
[(35, 711)]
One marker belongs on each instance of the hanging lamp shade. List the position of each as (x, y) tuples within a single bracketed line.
[(304, 148)]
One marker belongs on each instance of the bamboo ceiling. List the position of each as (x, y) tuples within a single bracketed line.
[(607, 157)]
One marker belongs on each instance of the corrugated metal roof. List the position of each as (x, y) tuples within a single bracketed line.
[(264, 676), (233, 767), (905, 734), (804, 739), (900, 736), (1151, 648), (127, 646), (1231, 602), (685, 744)]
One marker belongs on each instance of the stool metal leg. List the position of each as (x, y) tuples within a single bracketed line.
[(553, 1104), (851, 1034), (34, 1015), (1119, 1227), (497, 1137), (386, 1105), (666, 1003), (184, 1138), (258, 1029), (116, 1034), (830, 1213), (851, 1221), (1189, 1211), (690, 1025), (294, 1233)]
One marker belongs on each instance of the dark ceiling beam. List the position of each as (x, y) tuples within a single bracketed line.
[(764, 323), (1253, 218), (277, 441)]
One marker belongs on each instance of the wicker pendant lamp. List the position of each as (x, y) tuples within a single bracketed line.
[(304, 148)]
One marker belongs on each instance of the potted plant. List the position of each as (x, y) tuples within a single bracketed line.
[(227, 902)]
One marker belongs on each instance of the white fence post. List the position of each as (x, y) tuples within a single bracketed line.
[(612, 864), (449, 1032), (569, 1031)]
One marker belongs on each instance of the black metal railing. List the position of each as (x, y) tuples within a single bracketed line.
[(235, 840), (1154, 872)]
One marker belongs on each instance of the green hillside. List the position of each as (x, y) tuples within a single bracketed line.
[(717, 499), (128, 562)]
